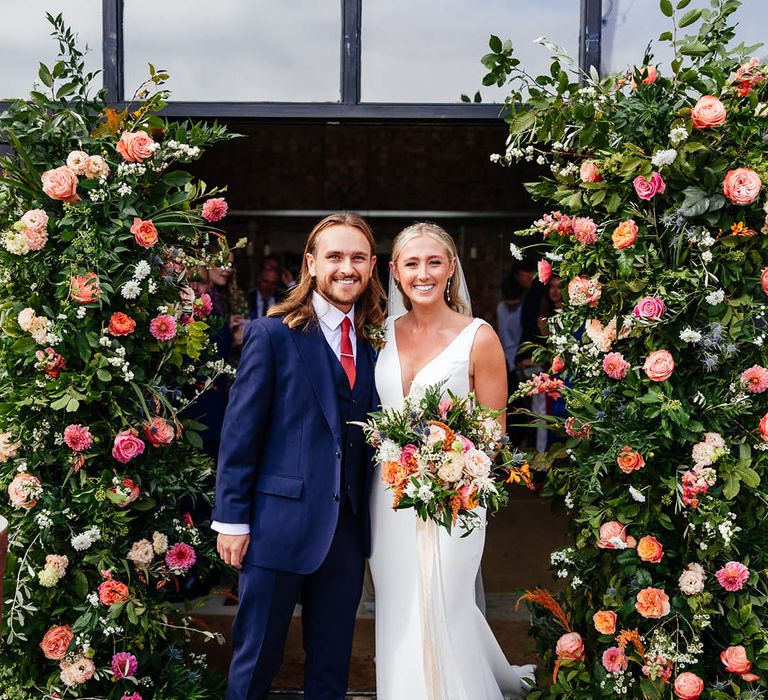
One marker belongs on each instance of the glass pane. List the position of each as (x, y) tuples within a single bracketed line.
[(430, 50), (236, 51), (25, 40), (628, 26)]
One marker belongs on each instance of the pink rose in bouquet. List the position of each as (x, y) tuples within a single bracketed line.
[(97, 167), (659, 366), (613, 535), (735, 660), (60, 184), (649, 188), (583, 291), (763, 428), (23, 491), (36, 240), (545, 271), (127, 446), (742, 185), (135, 146), (708, 112), (588, 172), (733, 576), (615, 366), (466, 496), (764, 279), (35, 220), (650, 308), (570, 646), (8, 448), (214, 209), (688, 686), (77, 162), (478, 464), (557, 365), (159, 431), (76, 672)]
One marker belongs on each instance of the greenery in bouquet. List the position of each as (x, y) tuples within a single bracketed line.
[(103, 351), (657, 179), (444, 456)]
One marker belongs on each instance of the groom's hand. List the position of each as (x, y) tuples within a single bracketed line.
[(232, 548)]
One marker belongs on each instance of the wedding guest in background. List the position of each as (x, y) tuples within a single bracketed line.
[(287, 280), (510, 329), (552, 301), (266, 293), (534, 293)]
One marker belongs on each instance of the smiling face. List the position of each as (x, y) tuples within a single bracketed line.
[(422, 269), (342, 264)]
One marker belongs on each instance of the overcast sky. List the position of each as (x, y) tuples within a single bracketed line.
[(288, 50)]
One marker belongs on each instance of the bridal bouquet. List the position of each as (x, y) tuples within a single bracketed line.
[(445, 457)]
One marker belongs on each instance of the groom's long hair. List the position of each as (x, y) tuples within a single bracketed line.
[(298, 311)]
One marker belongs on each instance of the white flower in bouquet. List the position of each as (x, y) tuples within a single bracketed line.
[(131, 289), (159, 542), (662, 158), (411, 489), (477, 464), (16, 242), (389, 451), (636, 495), (425, 493), (452, 467), (86, 539), (691, 580), (716, 297), (141, 270), (688, 335), (47, 577), (678, 135), (515, 251)]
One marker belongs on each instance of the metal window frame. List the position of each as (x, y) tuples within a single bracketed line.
[(350, 107)]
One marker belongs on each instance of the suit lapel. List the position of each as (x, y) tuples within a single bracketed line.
[(311, 345)]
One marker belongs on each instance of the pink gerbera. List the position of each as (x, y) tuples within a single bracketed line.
[(163, 327), (615, 366), (756, 379), (78, 437), (124, 665), (732, 576), (180, 556), (215, 209)]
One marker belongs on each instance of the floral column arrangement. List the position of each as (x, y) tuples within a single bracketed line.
[(658, 231)]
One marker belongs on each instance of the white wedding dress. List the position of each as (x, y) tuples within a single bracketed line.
[(432, 641)]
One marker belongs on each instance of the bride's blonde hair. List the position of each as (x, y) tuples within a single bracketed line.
[(438, 233)]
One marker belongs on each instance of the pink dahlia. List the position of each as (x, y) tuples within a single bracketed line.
[(615, 366), (163, 327), (614, 660), (585, 230), (78, 437), (732, 576), (756, 379), (215, 209), (124, 665), (180, 556)]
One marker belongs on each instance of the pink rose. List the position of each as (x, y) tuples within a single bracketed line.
[(763, 428), (466, 496), (733, 576), (60, 183), (36, 240), (650, 308), (583, 291), (77, 162), (648, 189), (742, 185), (127, 446), (614, 660), (613, 535), (35, 220), (558, 365), (588, 172), (443, 407), (159, 431), (135, 146), (478, 464), (708, 112), (585, 230), (659, 366), (56, 641), (735, 660), (688, 686), (545, 271), (764, 280), (97, 167), (23, 491), (570, 646), (214, 209), (615, 366)]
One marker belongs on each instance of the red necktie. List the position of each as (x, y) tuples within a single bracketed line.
[(347, 358)]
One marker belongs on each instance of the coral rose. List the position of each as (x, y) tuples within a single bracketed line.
[(735, 660), (570, 646), (588, 172), (625, 234), (764, 279), (214, 209), (61, 184), (135, 146), (605, 621), (159, 431), (613, 535), (629, 460), (127, 446), (650, 308), (23, 490), (120, 498), (688, 686), (121, 324), (649, 549), (648, 189), (545, 271), (85, 289), (144, 232), (56, 641), (557, 365), (652, 602), (742, 185), (659, 366), (763, 427), (112, 591), (708, 112)]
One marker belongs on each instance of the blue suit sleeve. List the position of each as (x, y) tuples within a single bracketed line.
[(245, 421)]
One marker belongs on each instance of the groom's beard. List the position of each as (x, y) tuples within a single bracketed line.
[(334, 292)]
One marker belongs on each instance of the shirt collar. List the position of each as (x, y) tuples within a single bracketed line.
[(329, 315)]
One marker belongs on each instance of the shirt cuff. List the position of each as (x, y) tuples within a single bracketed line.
[(231, 528)]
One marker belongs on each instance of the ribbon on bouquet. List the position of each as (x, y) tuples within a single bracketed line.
[(441, 671)]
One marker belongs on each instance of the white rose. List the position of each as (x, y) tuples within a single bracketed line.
[(452, 468)]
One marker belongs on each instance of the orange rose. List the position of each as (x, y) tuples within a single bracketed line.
[(625, 234), (135, 146), (708, 112), (605, 621), (60, 183), (121, 324), (650, 73), (85, 289), (629, 461), (111, 592), (159, 431), (649, 549), (736, 661), (742, 185), (688, 686), (652, 602), (55, 642), (395, 474), (144, 232), (570, 646)]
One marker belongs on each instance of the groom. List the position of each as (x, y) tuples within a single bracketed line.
[(293, 475)]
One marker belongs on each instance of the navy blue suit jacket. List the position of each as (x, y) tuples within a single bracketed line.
[(279, 465)]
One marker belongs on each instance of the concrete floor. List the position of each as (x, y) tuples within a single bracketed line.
[(519, 541)]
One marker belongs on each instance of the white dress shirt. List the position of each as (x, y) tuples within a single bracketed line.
[(330, 318)]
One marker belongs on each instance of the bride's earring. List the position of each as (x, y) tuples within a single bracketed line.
[(448, 288)]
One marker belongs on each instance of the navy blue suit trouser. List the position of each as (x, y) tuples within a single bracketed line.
[(329, 598)]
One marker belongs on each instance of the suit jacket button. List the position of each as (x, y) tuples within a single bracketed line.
[(338, 453), (335, 496)]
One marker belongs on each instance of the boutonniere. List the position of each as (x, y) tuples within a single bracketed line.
[(376, 336)]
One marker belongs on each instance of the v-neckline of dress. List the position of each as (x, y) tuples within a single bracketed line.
[(427, 364)]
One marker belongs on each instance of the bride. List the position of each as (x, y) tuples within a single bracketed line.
[(432, 641)]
